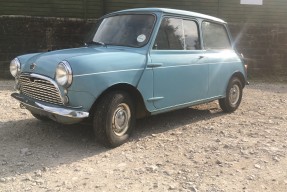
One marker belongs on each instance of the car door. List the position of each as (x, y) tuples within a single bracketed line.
[(179, 65), (222, 58)]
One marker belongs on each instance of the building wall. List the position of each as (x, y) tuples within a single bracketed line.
[(209, 7), (264, 45), (53, 8), (272, 11), (21, 35), (259, 31)]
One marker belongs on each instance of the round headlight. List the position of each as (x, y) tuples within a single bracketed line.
[(15, 67), (64, 75)]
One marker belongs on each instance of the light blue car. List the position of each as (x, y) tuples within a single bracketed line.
[(137, 62)]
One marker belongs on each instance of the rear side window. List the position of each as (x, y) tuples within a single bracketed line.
[(215, 36), (177, 34), (191, 35)]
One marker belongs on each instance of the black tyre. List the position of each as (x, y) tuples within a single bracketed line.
[(41, 117), (233, 96), (114, 119)]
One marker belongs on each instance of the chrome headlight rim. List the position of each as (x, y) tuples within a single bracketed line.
[(15, 67), (68, 74)]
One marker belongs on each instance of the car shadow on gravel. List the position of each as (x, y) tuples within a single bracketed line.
[(30, 145), (176, 119), (273, 87)]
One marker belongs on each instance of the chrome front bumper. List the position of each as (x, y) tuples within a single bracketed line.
[(63, 115)]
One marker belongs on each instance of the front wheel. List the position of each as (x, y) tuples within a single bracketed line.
[(114, 119), (233, 96)]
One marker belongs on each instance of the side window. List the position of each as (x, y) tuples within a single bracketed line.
[(191, 35), (177, 34), (170, 35), (215, 36)]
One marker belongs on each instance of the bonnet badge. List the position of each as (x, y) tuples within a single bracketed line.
[(32, 66)]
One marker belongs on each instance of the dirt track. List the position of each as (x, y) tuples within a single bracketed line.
[(195, 149)]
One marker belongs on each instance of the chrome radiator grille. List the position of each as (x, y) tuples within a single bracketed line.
[(40, 89)]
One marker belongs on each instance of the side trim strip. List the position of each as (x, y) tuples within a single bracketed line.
[(184, 105), (108, 72)]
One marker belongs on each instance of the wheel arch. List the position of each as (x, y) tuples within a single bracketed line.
[(240, 76), (226, 103), (136, 96)]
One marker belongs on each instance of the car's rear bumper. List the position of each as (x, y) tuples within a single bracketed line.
[(61, 114)]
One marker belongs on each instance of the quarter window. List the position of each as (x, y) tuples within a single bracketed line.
[(177, 34), (215, 36)]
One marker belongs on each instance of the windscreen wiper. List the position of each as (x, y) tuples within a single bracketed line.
[(95, 43)]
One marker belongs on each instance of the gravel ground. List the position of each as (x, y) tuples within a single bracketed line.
[(195, 149)]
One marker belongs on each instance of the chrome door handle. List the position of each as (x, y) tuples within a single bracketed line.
[(153, 65)]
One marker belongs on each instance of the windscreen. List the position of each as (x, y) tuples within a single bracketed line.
[(125, 30)]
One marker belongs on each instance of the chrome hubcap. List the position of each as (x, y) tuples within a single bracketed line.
[(234, 94), (121, 119)]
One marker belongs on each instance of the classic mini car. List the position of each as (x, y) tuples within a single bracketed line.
[(138, 62)]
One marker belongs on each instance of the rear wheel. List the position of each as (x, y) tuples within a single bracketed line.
[(233, 96), (114, 119)]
